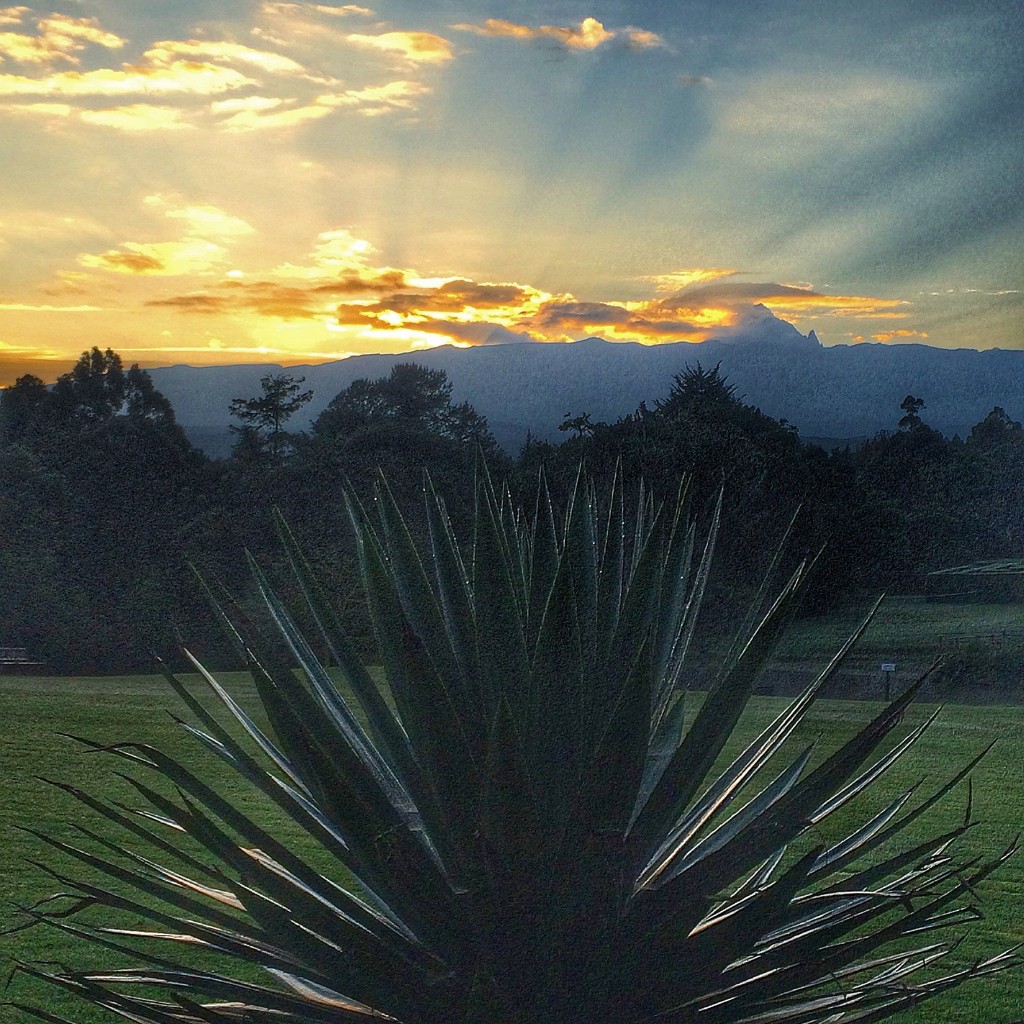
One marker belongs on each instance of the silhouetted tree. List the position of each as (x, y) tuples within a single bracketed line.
[(411, 399), (267, 413), (996, 427), (580, 425), (697, 388), (911, 418), (20, 405)]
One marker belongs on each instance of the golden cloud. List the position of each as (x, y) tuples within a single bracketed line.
[(168, 52), (267, 119), (345, 11), (160, 259), (892, 335), (264, 298), (788, 301), (379, 99), (588, 35), (411, 47), (12, 15), (24, 307), (72, 31), (291, 9), (340, 287), (642, 39), (178, 78), (207, 231), (243, 103), (204, 221), (124, 261), (60, 38), (677, 279), (259, 113), (138, 117)]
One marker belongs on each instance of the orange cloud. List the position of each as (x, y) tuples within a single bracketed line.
[(892, 335), (264, 298), (125, 261), (588, 35), (340, 287), (410, 47)]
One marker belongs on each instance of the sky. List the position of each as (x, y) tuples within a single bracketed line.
[(225, 181)]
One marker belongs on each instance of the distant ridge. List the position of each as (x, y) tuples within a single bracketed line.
[(843, 391)]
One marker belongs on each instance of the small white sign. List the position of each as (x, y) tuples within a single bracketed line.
[(888, 666)]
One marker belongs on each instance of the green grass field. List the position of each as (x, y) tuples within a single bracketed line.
[(34, 711), (983, 644)]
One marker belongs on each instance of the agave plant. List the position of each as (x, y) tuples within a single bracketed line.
[(524, 816)]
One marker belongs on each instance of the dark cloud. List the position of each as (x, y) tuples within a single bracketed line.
[(481, 296), (575, 314), (196, 303), (645, 320), (730, 293), (264, 297), (479, 333), (362, 284)]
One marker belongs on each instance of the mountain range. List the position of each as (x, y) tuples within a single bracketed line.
[(828, 392)]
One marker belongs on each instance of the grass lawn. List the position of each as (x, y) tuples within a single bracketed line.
[(33, 711), (983, 645)]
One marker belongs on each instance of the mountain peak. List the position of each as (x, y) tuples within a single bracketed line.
[(760, 326)]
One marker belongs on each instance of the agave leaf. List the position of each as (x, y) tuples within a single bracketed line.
[(554, 725), (712, 727), (791, 815), (683, 601), (639, 608), (500, 620), (283, 722), (913, 815), (375, 917), (724, 937), (544, 557), (614, 773), (510, 822), (112, 814), (579, 554), (386, 729), (681, 854), (339, 717), (456, 600), (420, 605), (663, 745), (611, 579)]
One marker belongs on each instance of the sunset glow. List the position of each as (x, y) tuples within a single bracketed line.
[(299, 182)]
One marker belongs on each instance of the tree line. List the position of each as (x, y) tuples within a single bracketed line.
[(107, 508)]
